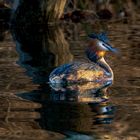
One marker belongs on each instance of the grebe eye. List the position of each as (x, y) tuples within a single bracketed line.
[(105, 45)]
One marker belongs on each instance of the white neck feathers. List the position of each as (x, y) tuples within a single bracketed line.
[(102, 63)]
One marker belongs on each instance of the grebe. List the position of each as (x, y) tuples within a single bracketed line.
[(97, 70)]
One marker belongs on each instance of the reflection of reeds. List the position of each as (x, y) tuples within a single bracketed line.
[(53, 9), (58, 46)]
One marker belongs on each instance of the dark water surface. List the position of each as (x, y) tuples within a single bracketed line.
[(31, 110)]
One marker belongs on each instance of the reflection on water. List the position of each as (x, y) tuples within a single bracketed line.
[(30, 107), (39, 51), (68, 112)]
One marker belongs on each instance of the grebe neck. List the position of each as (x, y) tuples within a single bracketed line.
[(94, 57), (102, 63)]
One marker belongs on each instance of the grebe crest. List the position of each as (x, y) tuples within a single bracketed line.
[(97, 70)]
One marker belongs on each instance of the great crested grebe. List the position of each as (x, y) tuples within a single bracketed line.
[(97, 70)]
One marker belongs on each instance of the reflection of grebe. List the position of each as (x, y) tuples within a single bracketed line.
[(74, 111), (99, 71)]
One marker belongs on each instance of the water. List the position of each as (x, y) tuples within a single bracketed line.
[(30, 109)]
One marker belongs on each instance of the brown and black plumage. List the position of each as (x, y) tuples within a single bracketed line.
[(97, 70)]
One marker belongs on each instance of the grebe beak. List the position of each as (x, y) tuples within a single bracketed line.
[(107, 47), (110, 48)]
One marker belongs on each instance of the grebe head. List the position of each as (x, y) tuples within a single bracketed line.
[(98, 46)]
